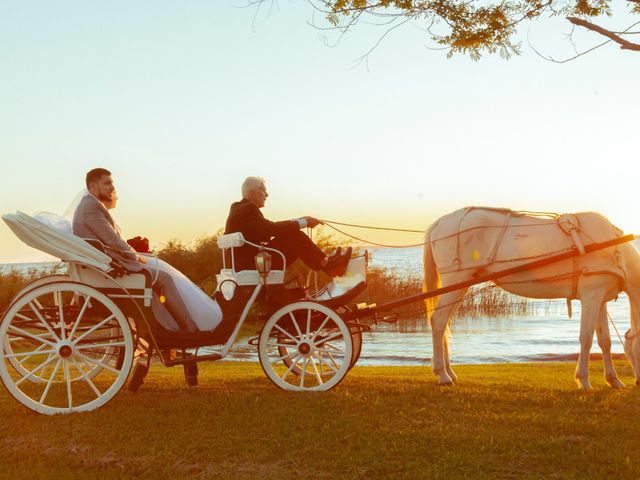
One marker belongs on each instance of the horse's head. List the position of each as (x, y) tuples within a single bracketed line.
[(632, 349)]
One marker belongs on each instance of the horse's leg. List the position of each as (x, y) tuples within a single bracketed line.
[(447, 304), (604, 340), (447, 359), (591, 306)]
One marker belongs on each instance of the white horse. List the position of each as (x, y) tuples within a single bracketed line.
[(477, 240)]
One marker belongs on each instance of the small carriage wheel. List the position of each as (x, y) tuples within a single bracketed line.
[(317, 342), (16, 363), (285, 345), (62, 345)]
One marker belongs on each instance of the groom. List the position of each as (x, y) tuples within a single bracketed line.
[(92, 220)]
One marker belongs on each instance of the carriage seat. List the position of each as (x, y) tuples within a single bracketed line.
[(229, 278)]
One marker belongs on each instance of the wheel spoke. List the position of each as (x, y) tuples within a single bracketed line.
[(35, 370), (333, 360), (27, 358), (295, 323), (333, 347), (326, 319), (286, 333), (29, 335), (324, 362), (97, 362), (63, 333), (85, 377), (50, 382), (288, 355), (67, 378), (39, 335), (308, 321), (43, 322), (335, 336), (94, 328), (29, 354), (293, 364), (304, 371), (80, 315), (100, 345), (315, 369)]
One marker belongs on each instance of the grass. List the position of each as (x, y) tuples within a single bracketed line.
[(501, 421)]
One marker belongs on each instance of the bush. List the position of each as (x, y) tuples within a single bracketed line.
[(13, 281)]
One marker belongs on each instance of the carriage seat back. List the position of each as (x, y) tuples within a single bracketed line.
[(58, 243), (229, 277), (85, 262)]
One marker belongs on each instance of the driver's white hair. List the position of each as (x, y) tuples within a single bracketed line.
[(251, 183)]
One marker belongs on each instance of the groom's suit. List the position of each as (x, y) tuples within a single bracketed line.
[(92, 220)]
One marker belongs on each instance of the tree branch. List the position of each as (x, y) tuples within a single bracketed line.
[(624, 44)]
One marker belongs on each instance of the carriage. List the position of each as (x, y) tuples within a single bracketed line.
[(71, 341)]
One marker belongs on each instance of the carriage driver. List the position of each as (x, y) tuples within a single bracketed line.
[(286, 236)]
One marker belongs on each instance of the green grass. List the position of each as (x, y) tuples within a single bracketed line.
[(501, 421)]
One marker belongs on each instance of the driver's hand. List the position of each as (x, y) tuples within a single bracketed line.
[(142, 259), (312, 222)]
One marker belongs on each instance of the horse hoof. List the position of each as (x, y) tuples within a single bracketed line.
[(444, 379), (446, 384), (615, 383), (584, 385)]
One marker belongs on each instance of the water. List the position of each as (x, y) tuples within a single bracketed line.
[(25, 268), (547, 335)]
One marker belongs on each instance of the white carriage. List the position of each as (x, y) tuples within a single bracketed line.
[(70, 341)]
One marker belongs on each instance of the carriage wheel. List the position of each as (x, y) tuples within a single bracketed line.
[(71, 336), (310, 338), (16, 362), (285, 345)]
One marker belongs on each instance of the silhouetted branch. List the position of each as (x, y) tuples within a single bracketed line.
[(624, 44)]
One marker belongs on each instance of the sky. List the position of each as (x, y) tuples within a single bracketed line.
[(183, 100)]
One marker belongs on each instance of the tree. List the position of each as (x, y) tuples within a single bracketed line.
[(472, 27)]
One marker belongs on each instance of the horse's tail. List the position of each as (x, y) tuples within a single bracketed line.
[(431, 279)]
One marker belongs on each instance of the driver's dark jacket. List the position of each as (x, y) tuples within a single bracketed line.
[(247, 218)]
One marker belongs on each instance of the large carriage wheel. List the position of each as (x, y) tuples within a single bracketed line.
[(310, 338), (285, 345), (75, 339), (16, 363)]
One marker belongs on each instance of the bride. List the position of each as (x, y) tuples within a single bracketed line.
[(204, 312)]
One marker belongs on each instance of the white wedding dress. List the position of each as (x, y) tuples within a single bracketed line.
[(204, 311)]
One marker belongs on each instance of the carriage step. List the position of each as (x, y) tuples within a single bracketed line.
[(137, 379)]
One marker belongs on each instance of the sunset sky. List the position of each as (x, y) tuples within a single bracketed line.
[(183, 100)]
